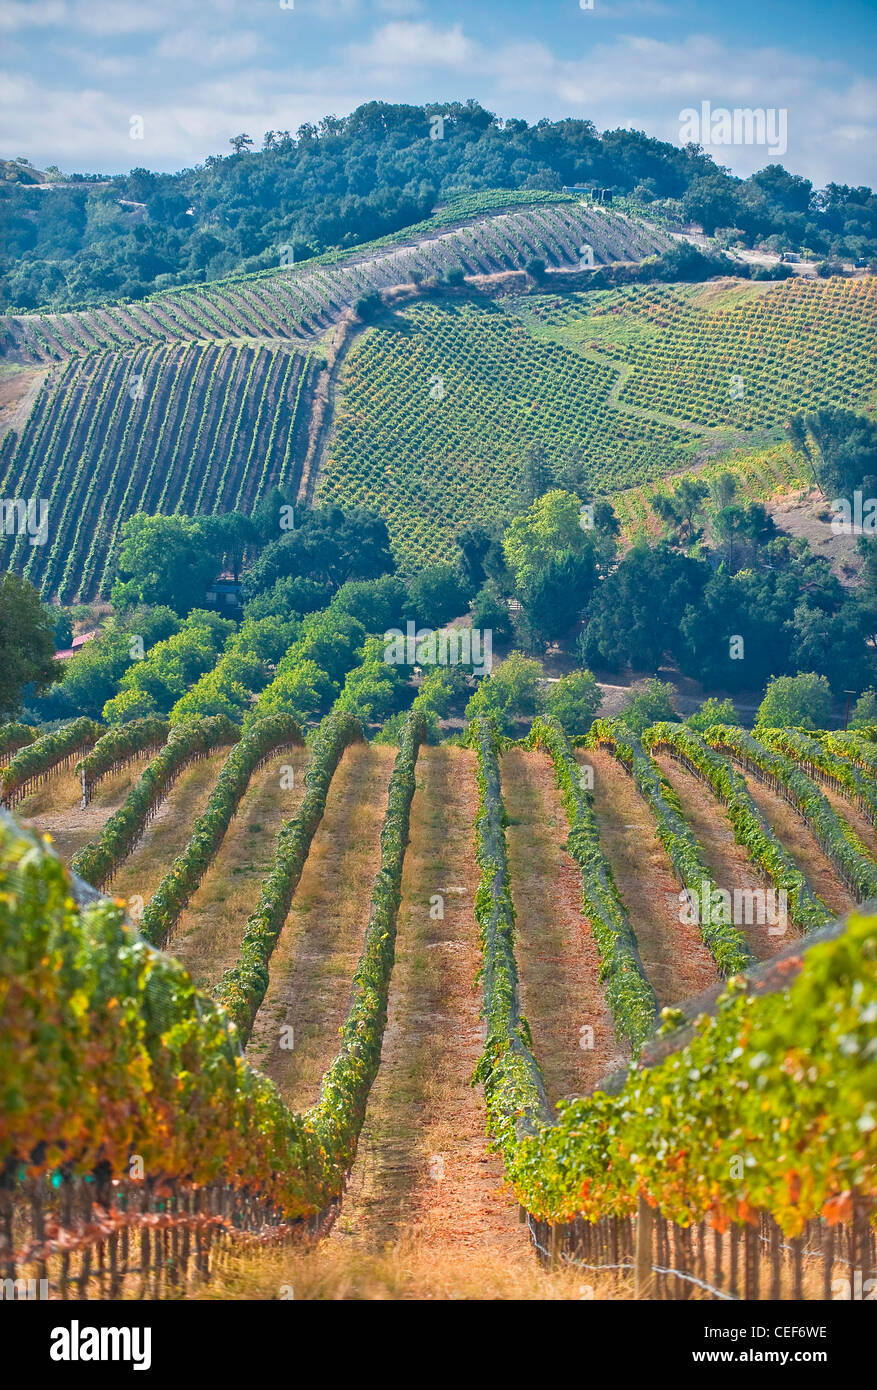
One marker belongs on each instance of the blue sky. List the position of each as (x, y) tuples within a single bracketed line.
[(74, 72)]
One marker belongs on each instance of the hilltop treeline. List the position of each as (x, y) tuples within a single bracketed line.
[(382, 168)]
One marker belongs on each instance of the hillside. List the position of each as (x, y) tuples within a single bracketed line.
[(632, 384), (302, 300), (194, 402), (201, 401), (87, 238)]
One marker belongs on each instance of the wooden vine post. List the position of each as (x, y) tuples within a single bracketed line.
[(643, 1273)]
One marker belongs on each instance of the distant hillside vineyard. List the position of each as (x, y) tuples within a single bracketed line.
[(198, 401)]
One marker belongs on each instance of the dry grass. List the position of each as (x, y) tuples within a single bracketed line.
[(849, 811), (54, 808), (168, 834), (557, 956), (675, 959), (314, 960), (407, 1270), (803, 846), (207, 937), (426, 1215), (727, 861), (422, 1171)]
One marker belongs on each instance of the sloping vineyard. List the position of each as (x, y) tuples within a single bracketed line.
[(295, 303), (637, 1176), (193, 401), (759, 474), (188, 428), (437, 415), (796, 345), (607, 1158), (314, 959)]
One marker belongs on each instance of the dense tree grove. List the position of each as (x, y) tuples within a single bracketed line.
[(351, 179)]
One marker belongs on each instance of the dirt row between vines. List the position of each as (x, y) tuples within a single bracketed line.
[(317, 953), (168, 834), (674, 958), (54, 809), (558, 963), (426, 1214), (207, 936), (802, 845), (727, 862), (850, 812)]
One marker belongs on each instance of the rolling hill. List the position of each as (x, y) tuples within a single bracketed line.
[(200, 400)]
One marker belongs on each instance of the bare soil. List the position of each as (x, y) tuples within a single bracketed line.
[(850, 812), (208, 934), (316, 955), (803, 846), (54, 808), (803, 513), (676, 961), (557, 956), (727, 861), (422, 1168), (167, 836), (18, 391)]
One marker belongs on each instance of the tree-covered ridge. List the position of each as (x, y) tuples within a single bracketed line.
[(381, 168)]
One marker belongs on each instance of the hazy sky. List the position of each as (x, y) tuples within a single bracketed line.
[(74, 72)]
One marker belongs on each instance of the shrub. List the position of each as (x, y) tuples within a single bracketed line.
[(802, 701), (574, 701)]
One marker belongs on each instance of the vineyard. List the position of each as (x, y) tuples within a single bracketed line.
[(373, 925), (759, 475), (199, 401), (438, 413), (439, 409), (732, 355), (311, 978), (296, 303), (192, 428)]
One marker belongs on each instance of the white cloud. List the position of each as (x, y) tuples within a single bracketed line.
[(613, 79), (96, 64), (23, 14), (195, 46), (402, 45)]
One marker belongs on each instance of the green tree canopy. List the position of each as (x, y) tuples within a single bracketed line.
[(328, 545), (796, 701), (27, 643), (713, 711), (551, 526), (164, 560), (513, 690), (865, 711), (575, 701), (636, 613), (437, 594), (651, 703)]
